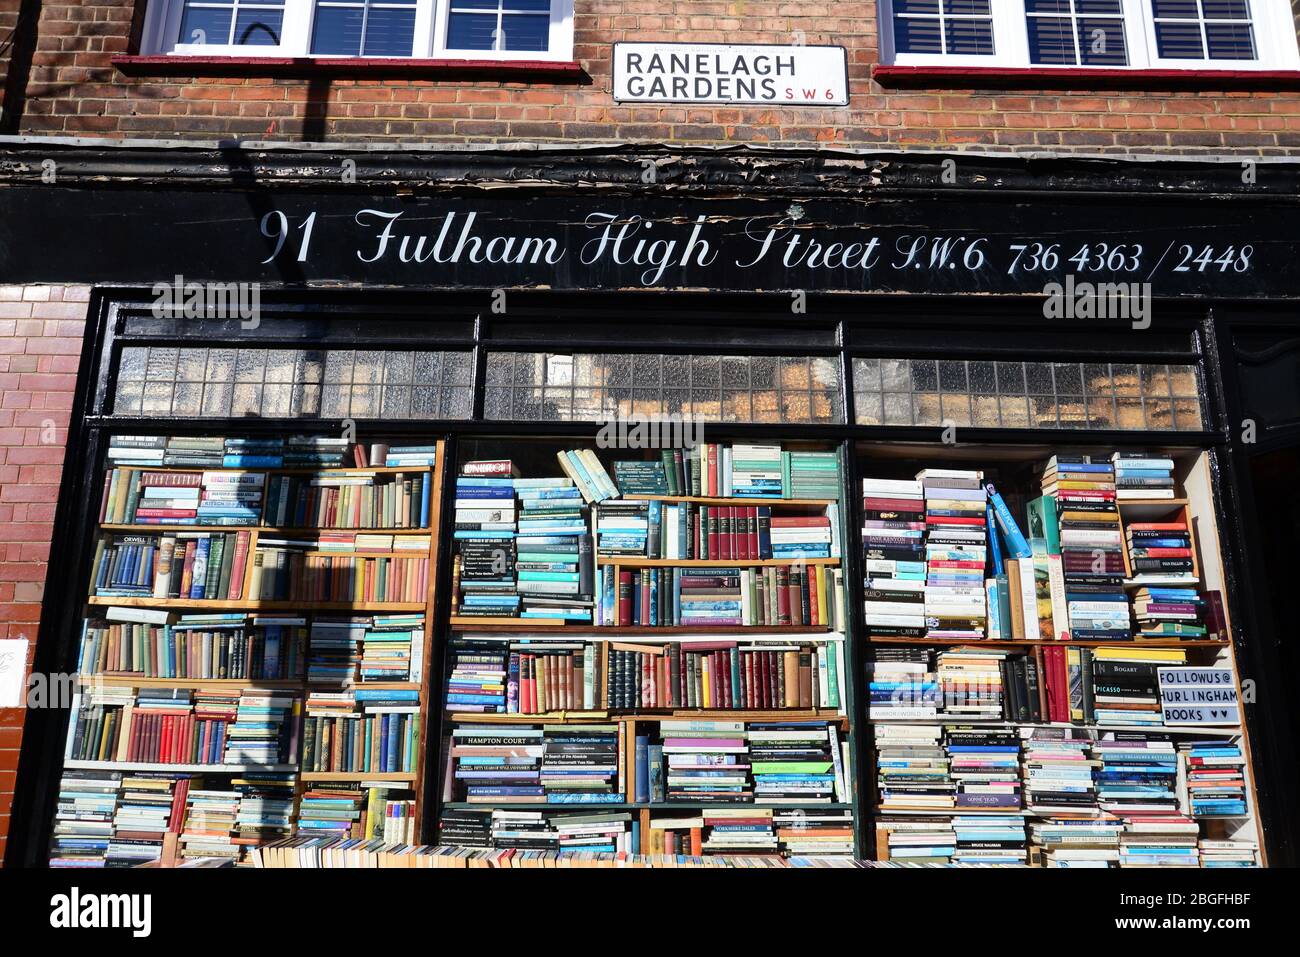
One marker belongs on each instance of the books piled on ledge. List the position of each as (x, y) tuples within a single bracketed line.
[(970, 681), (1138, 774), (1159, 841), (399, 456), (1216, 777), (263, 729), (893, 543), (1125, 682), (188, 565), (1077, 842), (586, 472), (706, 761), (772, 595), (689, 531), (1164, 613), (348, 500), (903, 686), (554, 565), (266, 803), (595, 831), (812, 831), (984, 764), (1088, 535), (334, 649), (331, 809), (990, 839), (1160, 553), (918, 840), (1228, 853), (370, 732), (392, 648), (228, 823), (796, 762), (1058, 769), (231, 498), (912, 767), (148, 806), (955, 552), (83, 820), (555, 764), (477, 674), (1139, 475), (465, 827), (485, 541), (643, 477), (325, 853), (810, 475)]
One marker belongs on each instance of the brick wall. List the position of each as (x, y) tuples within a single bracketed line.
[(8, 20), (74, 90), (40, 346)]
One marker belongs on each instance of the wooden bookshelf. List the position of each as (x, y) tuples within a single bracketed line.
[(1049, 642), (632, 561), (426, 604), (504, 627)]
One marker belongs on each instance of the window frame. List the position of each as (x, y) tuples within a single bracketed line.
[(163, 21), (1274, 28)]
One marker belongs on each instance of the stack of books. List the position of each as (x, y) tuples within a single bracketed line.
[(580, 764), (1058, 769), (955, 551), (623, 529), (989, 839), (970, 681), (1085, 529), (147, 805), (1160, 553), (485, 540), (348, 500), (334, 649), (1159, 841), (266, 805), (756, 471), (1138, 773), (331, 809), (912, 767), (498, 764), (919, 840), (392, 648), (1216, 777), (706, 761), (813, 831), (231, 498), (903, 685), (597, 831), (1077, 842), (477, 678), (316, 451), (1125, 683), (984, 764), (806, 536), (263, 728), (141, 497), (641, 478), (738, 831), (465, 827), (796, 762), (402, 456), (211, 817), (1143, 476), (1162, 613), (83, 821), (555, 566), (893, 543), (811, 475), (1215, 853), (262, 452)]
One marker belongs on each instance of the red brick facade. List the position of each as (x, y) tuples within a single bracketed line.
[(75, 90), (40, 346)]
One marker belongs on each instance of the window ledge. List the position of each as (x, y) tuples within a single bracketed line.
[(1083, 78), (360, 67)]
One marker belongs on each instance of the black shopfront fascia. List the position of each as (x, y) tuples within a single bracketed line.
[(1005, 321)]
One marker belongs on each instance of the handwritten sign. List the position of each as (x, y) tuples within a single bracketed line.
[(1199, 696), (13, 668)]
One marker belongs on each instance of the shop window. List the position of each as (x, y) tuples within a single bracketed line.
[(1026, 395), (539, 386), (293, 383), (1125, 34), (469, 29)]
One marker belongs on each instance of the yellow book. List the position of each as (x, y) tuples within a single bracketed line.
[(820, 571), (706, 681), (1174, 655)]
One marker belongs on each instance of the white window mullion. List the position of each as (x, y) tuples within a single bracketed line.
[(1010, 33), (425, 40), (296, 38), (1138, 37)]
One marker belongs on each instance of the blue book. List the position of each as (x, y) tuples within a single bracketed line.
[(995, 543), (1011, 534), (642, 792)]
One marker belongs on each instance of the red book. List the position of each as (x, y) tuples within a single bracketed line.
[(953, 520), (711, 526), (800, 521), (712, 450), (814, 610), (625, 598), (1156, 526), (875, 504)]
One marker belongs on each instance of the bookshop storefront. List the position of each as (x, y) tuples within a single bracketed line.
[(506, 307)]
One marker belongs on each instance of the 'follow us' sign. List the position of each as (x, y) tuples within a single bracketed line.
[(1199, 696), (730, 73)]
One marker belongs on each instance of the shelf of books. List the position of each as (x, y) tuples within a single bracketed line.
[(1051, 676), (649, 654), (253, 661)]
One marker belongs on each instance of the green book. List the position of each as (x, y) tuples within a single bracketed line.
[(1042, 525)]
